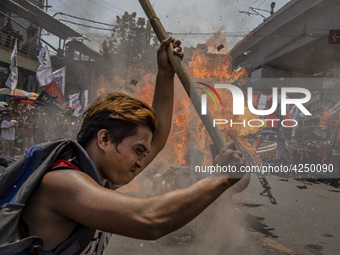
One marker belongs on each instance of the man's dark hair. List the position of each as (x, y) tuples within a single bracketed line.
[(119, 113)]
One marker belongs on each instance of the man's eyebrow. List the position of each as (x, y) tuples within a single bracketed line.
[(143, 147)]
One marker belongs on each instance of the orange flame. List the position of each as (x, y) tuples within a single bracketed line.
[(216, 68), (210, 68), (179, 136)]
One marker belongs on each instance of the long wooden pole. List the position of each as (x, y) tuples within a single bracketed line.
[(183, 75)]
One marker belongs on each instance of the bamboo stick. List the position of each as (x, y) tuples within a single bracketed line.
[(183, 75)]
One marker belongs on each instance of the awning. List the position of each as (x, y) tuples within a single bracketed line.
[(34, 14)]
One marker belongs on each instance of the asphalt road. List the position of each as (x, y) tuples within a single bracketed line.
[(306, 220)]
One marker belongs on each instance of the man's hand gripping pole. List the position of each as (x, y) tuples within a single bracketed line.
[(183, 75)]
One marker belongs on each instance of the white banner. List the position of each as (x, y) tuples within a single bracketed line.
[(86, 98), (44, 72), (74, 101), (12, 79), (59, 78)]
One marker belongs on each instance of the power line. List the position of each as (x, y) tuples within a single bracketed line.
[(54, 10), (69, 7), (79, 24), (254, 3), (89, 20), (230, 34), (104, 7), (240, 27), (261, 4), (112, 5)]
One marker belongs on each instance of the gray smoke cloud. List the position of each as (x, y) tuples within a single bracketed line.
[(193, 21)]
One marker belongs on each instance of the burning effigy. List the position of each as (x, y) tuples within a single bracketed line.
[(189, 140)]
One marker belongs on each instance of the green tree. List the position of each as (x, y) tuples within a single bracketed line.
[(132, 45)]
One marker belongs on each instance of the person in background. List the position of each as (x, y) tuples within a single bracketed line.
[(39, 128), (121, 136), (70, 131), (258, 140), (27, 131), (51, 127), (8, 134)]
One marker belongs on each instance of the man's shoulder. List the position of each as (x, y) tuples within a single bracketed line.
[(66, 177), (64, 189), (58, 195), (70, 152)]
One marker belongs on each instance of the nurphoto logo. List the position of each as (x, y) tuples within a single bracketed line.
[(239, 99)]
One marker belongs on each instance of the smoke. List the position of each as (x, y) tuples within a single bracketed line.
[(188, 17), (220, 229), (217, 40)]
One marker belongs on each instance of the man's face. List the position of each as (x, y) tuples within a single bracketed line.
[(121, 166)]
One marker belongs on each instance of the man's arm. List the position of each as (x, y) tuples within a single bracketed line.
[(163, 98), (76, 196)]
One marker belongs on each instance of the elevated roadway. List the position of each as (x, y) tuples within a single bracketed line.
[(293, 42)]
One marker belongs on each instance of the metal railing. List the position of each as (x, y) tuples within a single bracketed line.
[(27, 48)]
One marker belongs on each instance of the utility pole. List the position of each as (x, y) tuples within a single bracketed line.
[(256, 11), (46, 6)]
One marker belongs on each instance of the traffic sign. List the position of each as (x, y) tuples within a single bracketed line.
[(334, 37)]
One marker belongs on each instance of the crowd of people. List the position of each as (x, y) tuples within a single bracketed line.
[(22, 129), (300, 153), (72, 200)]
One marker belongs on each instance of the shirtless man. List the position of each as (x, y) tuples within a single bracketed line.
[(120, 135)]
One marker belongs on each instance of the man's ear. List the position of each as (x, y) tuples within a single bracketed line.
[(103, 138)]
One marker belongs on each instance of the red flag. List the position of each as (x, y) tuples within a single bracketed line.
[(330, 118), (54, 90)]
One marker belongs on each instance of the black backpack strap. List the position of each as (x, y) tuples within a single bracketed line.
[(85, 163), (5, 161), (33, 242), (45, 155)]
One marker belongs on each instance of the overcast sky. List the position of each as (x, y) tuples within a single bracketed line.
[(198, 17)]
